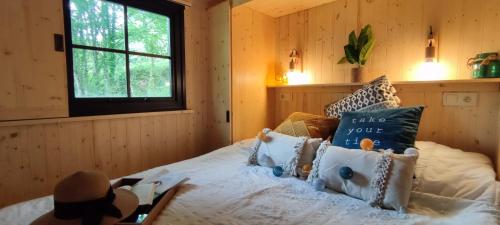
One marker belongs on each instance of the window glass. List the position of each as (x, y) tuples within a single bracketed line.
[(97, 23), (124, 56), (150, 77), (148, 32), (99, 74)]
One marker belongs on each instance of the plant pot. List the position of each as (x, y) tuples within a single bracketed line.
[(358, 74)]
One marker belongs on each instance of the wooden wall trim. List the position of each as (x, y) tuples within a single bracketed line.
[(89, 118)]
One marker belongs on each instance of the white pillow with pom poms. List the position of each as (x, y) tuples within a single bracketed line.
[(382, 178), (274, 149)]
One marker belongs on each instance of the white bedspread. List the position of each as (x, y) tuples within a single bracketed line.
[(223, 190)]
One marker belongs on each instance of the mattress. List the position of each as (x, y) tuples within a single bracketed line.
[(224, 190)]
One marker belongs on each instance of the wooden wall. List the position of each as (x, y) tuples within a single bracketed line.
[(35, 154), (219, 86), (463, 27), (33, 75), (35, 157), (277, 8), (498, 142), (253, 36), (196, 52), (473, 129)]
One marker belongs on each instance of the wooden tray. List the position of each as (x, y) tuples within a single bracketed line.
[(153, 211)]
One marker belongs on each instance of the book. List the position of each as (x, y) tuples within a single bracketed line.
[(164, 180), (145, 192), (145, 214)]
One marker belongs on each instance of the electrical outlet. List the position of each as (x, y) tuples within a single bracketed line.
[(460, 98)]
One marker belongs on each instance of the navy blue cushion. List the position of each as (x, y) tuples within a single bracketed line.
[(394, 129)]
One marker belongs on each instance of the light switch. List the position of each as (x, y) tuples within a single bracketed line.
[(460, 98), (450, 99), (286, 96)]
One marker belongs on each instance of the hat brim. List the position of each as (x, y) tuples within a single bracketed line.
[(125, 200)]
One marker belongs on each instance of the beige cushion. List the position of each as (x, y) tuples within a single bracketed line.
[(395, 193), (309, 125)]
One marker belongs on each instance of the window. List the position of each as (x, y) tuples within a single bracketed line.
[(124, 56)]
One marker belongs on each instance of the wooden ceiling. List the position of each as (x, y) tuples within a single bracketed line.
[(278, 8)]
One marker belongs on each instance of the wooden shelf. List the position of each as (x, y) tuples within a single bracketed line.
[(465, 81)]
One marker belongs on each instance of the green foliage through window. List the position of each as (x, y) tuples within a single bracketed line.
[(99, 73), (100, 30)]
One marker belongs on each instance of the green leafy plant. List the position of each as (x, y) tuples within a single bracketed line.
[(359, 48)]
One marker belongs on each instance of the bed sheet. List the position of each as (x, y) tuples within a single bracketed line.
[(224, 190)]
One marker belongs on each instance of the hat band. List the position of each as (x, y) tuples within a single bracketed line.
[(91, 212)]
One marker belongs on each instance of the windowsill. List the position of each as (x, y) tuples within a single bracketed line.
[(89, 118)]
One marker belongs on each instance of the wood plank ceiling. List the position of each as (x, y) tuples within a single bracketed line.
[(278, 8)]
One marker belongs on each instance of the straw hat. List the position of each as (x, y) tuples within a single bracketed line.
[(84, 198)]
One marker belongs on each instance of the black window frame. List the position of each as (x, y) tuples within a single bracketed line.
[(119, 105)]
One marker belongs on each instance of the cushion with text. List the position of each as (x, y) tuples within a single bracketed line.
[(394, 129)]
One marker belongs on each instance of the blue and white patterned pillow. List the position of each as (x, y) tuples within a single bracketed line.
[(377, 94)]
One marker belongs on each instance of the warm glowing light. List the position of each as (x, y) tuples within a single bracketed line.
[(297, 78), (430, 71)]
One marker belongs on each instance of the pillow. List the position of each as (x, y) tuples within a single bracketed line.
[(377, 91), (382, 80), (454, 173), (274, 149), (382, 178), (394, 129), (309, 125), (378, 106), (309, 152)]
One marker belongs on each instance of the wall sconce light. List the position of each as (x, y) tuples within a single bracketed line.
[(430, 69), (430, 50), (294, 60), (295, 74)]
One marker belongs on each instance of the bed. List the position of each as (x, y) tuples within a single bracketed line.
[(451, 187)]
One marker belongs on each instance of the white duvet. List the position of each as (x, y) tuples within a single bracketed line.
[(223, 190)]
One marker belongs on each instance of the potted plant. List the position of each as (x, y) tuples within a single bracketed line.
[(357, 52)]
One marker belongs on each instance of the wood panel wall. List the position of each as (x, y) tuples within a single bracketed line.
[(197, 67), (219, 86), (473, 129), (253, 36), (34, 156), (498, 142), (463, 27), (33, 75), (277, 8)]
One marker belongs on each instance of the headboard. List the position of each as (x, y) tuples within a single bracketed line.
[(471, 128)]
